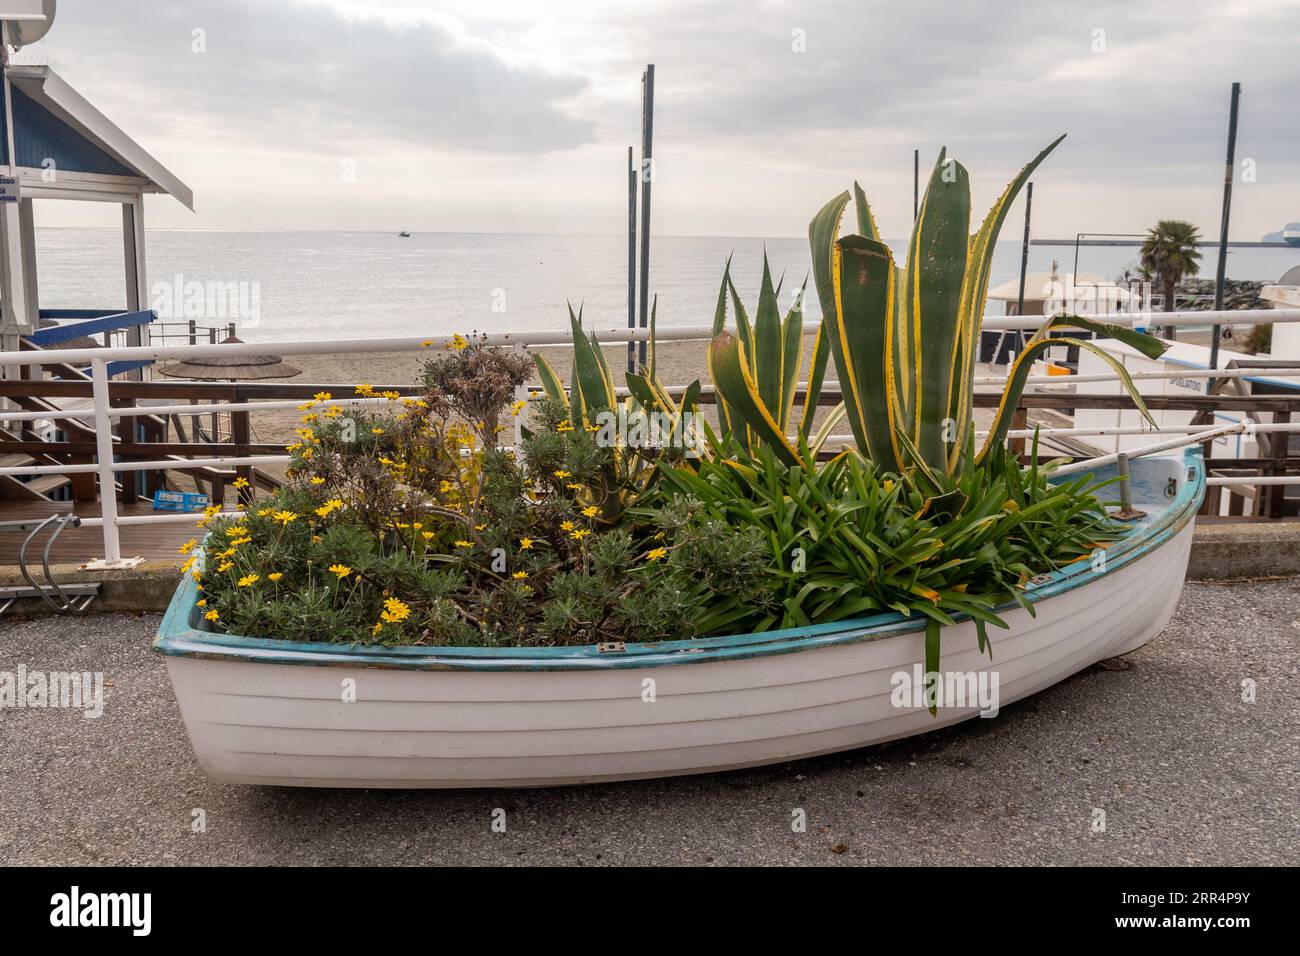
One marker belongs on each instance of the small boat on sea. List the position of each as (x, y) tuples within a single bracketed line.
[(403, 235), (266, 711)]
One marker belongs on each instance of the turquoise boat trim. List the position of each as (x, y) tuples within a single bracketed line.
[(181, 634)]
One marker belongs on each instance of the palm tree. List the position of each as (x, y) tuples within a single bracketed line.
[(1170, 254)]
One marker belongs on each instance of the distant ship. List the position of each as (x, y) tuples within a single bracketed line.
[(403, 235), (1290, 234)]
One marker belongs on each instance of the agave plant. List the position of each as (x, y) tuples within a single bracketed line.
[(756, 371), (592, 391), (591, 396), (904, 339)]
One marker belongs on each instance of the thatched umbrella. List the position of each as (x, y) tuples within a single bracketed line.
[(233, 368), (228, 368)]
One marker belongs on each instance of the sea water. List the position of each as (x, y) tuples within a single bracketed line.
[(324, 285)]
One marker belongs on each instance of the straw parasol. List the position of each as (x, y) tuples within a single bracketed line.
[(233, 368)]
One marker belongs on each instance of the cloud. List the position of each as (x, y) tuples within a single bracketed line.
[(313, 75), (514, 114)]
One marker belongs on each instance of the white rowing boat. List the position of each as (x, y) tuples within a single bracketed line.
[(268, 711)]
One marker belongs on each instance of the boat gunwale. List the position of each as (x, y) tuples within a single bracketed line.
[(179, 635)]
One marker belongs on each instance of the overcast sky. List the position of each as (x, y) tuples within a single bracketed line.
[(486, 116)]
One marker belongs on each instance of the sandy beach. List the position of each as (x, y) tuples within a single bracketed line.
[(679, 363)]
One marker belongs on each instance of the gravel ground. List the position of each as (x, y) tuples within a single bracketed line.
[(1186, 772)]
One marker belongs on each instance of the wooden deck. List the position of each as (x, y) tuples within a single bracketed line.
[(154, 542)]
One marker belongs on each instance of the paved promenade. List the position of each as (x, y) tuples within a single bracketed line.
[(1186, 772)]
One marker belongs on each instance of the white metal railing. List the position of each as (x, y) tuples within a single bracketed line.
[(1194, 430), (1195, 438), (102, 414), (1226, 373), (610, 336)]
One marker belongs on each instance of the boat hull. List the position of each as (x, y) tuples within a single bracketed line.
[(256, 713)]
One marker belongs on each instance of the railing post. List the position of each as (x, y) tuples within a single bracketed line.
[(521, 395), (112, 558), (240, 433), (1019, 422), (1279, 448)]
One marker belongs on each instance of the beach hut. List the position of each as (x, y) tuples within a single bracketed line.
[(1090, 293), (1046, 293), (56, 145)]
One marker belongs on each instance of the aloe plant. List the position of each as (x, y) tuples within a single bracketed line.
[(756, 371), (904, 340)]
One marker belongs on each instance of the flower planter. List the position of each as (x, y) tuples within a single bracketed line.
[(273, 712)]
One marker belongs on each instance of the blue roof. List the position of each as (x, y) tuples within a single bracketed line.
[(39, 136), (52, 121)]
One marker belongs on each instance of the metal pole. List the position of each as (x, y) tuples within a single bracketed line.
[(1223, 224), (916, 183), (1126, 510), (631, 256), (13, 305), (647, 178)]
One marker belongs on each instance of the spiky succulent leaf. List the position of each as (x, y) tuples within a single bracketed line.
[(974, 293), (821, 352), (791, 355), (593, 382), (551, 384), (730, 368), (861, 331), (1021, 367), (767, 348), (936, 268)]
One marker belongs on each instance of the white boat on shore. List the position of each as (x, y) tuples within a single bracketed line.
[(266, 711)]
